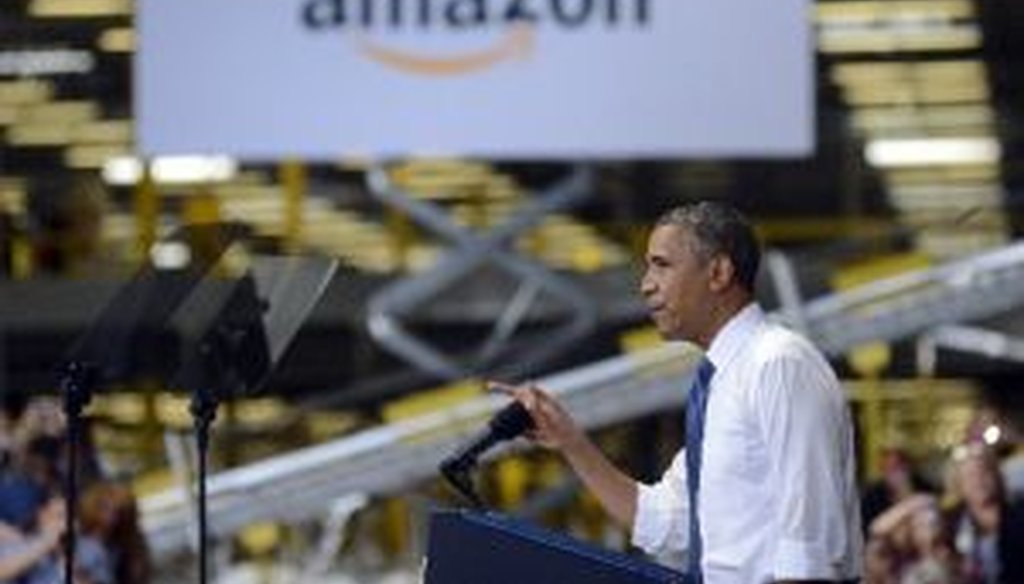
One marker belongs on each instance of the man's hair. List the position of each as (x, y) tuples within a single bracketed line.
[(720, 229)]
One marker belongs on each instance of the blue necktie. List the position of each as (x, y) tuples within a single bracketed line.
[(696, 405)]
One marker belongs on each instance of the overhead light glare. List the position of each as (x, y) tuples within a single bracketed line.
[(899, 39), (186, 169), (932, 151), (170, 255), (122, 170), (171, 169), (992, 434)]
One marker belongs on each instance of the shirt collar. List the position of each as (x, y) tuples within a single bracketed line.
[(730, 338)]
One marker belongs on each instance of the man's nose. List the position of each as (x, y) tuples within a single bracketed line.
[(646, 285)]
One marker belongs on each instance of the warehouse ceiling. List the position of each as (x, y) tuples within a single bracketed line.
[(920, 150)]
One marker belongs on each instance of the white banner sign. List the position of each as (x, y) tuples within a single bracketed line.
[(319, 79)]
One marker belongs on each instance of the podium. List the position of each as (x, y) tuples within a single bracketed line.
[(469, 547)]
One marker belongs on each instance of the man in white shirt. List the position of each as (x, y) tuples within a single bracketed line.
[(772, 474)]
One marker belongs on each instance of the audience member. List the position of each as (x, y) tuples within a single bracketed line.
[(36, 556), (30, 556), (988, 529), (899, 481), (110, 516), (912, 544), (20, 496)]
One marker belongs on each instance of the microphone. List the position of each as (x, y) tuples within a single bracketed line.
[(508, 423)]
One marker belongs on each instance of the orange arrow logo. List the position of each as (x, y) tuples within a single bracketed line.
[(517, 43)]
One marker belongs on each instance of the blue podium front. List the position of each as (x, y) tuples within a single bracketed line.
[(487, 548)]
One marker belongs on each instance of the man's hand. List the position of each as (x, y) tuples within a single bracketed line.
[(553, 428)]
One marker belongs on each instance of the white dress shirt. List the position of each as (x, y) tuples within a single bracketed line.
[(778, 497)]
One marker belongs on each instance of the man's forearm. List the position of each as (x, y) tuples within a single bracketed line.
[(615, 490)]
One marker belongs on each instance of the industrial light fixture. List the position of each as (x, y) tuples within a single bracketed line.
[(33, 62), (92, 156), (872, 26), (79, 8), (959, 174), (25, 91), (39, 134), (908, 83), (859, 12), (904, 72), (932, 151), (939, 196), (117, 40), (66, 112), (899, 38), (906, 121), (104, 132), (910, 95)]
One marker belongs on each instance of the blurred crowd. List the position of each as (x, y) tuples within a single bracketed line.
[(969, 529), (109, 547)]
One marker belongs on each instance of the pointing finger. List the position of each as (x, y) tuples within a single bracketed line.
[(501, 387)]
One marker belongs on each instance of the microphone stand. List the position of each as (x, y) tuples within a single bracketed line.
[(77, 382), (217, 355), (204, 410), (459, 477)]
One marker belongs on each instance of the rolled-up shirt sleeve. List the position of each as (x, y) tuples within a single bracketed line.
[(661, 523), (802, 410)]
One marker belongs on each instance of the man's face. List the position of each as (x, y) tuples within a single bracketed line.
[(676, 284)]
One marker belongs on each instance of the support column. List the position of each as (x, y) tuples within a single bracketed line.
[(295, 181), (147, 213)]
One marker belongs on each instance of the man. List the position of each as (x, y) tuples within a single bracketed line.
[(769, 463)]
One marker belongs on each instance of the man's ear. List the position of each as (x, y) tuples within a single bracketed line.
[(723, 273)]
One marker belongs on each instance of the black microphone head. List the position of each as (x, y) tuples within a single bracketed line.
[(511, 421), (508, 423)]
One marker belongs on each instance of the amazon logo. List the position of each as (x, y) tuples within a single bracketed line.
[(373, 26)]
